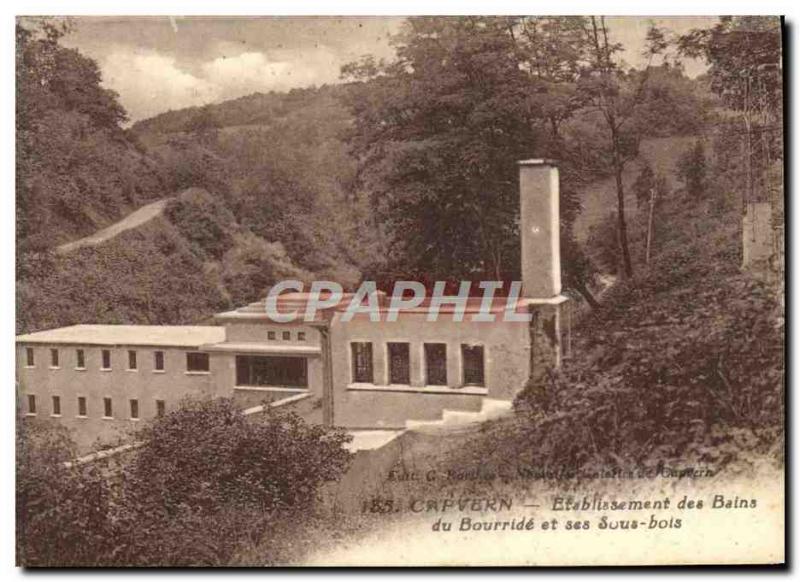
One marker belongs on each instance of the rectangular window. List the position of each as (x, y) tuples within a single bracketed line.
[(132, 360), (472, 357), (56, 405), (287, 335), (362, 362), (81, 405), (271, 335), (108, 411), (54, 358), (301, 336), (283, 371), (134, 409), (158, 361), (197, 362), (160, 408), (106, 357), (436, 364), (399, 367), (31, 404), (80, 359), (29, 360)]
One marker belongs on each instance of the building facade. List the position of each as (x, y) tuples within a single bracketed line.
[(100, 380)]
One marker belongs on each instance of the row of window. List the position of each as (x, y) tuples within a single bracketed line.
[(83, 410), (195, 361), (399, 363), (286, 335)]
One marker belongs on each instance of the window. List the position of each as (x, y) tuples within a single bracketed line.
[(197, 362), (271, 335), (301, 336), (54, 358), (134, 409), (108, 411), (80, 359), (362, 362), (29, 360), (399, 368), (31, 404), (436, 364), (158, 361), (160, 408), (284, 371), (132, 360), (472, 357), (56, 405), (106, 357), (81, 405), (287, 335)]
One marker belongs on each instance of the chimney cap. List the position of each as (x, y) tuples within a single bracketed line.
[(538, 162)]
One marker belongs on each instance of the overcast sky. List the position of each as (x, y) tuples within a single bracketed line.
[(162, 63)]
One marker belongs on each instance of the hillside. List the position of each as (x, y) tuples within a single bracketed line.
[(183, 215)]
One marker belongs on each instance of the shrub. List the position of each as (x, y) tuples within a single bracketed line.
[(208, 478), (61, 512), (206, 482)]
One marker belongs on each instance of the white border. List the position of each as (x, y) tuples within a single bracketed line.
[(233, 7)]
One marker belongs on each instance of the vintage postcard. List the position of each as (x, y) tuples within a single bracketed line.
[(400, 291)]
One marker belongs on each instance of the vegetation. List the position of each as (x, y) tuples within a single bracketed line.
[(202, 486), (681, 360)]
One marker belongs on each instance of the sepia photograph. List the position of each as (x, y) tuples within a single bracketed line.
[(382, 291)]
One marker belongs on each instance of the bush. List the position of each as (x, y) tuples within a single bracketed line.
[(62, 513), (677, 358), (206, 482)]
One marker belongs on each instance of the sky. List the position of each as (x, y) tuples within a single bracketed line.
[(160, 63)]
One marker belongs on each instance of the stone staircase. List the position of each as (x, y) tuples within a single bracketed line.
[(490, 409)]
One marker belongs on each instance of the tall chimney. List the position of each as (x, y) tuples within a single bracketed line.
[(539, 224)]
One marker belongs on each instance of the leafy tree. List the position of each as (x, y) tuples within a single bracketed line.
[(438, 132), (744, 55)]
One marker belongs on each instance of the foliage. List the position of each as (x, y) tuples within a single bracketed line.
[(206, 482), (684, 361), (61, 512), (203, 221), (744, 55), (76, 168), (147, 276)]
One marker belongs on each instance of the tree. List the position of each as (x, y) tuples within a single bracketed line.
[(438, 133), (617, 96), (744, 54), (76, 166)]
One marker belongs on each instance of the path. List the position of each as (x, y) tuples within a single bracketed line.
[(135, 219)]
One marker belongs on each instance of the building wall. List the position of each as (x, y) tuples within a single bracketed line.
[(259, 332), (506, 365), (144, 384)]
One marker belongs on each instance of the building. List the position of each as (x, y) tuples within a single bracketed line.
[(357, 373)]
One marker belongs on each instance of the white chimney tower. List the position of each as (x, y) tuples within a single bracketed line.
[(539, 225)]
